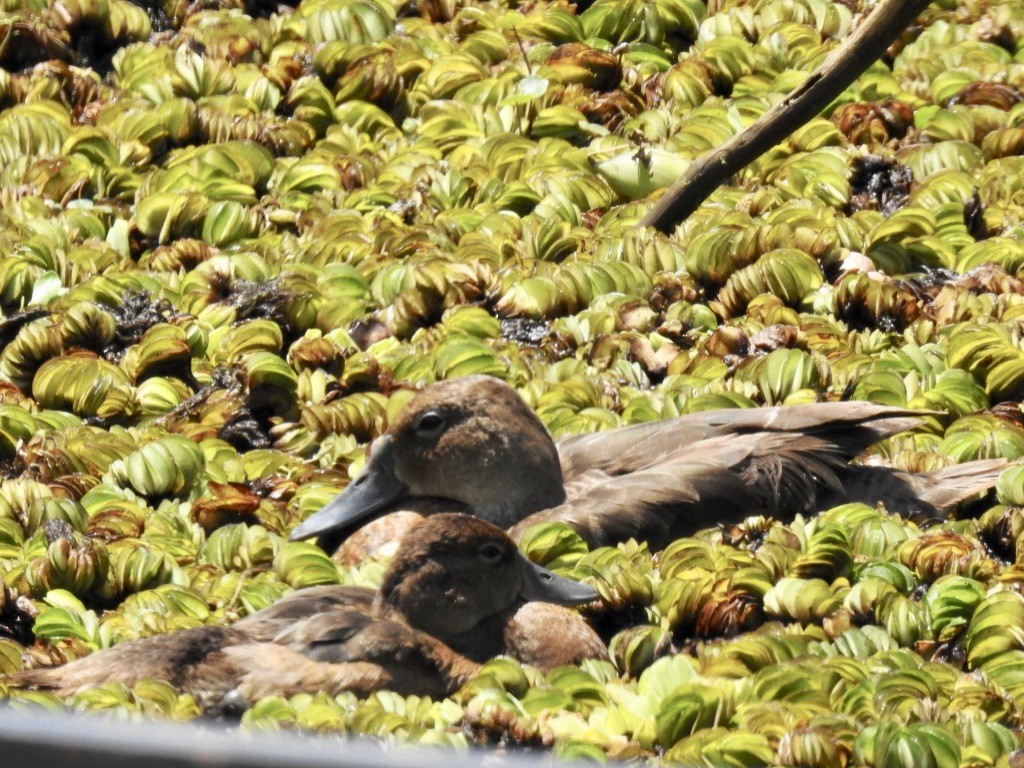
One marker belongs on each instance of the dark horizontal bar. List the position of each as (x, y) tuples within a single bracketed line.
[(44, 739)]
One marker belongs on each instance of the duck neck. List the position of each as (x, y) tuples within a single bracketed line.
[(509, 511), (456, 668), (387, 601), (531, 482), (397, 600), (400, 599), (484, 641)]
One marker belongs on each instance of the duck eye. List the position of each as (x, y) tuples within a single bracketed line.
[(430, 424), (491, 553)]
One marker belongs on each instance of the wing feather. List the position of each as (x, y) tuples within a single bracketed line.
[(720, 480), (850, 427)]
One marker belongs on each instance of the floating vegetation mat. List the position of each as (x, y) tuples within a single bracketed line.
[(234, 233)]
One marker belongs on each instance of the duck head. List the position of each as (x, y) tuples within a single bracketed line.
[(472, 441), (452, 571)]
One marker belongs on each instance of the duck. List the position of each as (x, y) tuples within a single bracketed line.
[(475, 443), (456, 594)]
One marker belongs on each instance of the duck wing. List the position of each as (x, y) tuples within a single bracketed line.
[(252, 672), (172, 657), (850, 427), (332, 636), (931, 493), (318, 653), (719, 480), (392, 657), (264, 625), (348, 650)]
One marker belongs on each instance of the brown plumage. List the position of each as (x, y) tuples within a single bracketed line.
[(474, 442), (455, 595), (265, 625)]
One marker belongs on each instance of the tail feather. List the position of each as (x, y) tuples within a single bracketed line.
[(167, 657), (850, 427), (950, 486), (918, 493), (78, 675)]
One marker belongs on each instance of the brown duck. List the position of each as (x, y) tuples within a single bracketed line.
[(455, 595), (473, 441)]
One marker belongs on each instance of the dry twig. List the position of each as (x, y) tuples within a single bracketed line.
[(865, 46)]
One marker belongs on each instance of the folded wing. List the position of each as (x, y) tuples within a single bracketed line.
[(718, 480), (849, 427)]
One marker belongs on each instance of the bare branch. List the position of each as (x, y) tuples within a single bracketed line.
[(846, 63)]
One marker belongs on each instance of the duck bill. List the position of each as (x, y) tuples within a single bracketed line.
[(542, 585), (376, 487)]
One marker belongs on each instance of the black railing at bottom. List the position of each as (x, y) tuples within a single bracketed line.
[(43, 739)]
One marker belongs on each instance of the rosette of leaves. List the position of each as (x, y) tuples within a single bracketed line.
[(991, 628), (35, 344), (73, 563), (937, 552), (353, 21), (989, 353), (147, 698), (983, 436), (167, 466)]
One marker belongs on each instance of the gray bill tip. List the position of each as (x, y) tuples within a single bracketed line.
[(321, 521), (542, 585), (374, 489)]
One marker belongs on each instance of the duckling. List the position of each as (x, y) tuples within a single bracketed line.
[(456, 594), (474, 442)]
